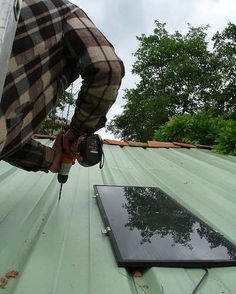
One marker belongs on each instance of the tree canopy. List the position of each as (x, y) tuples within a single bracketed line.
[(179, 75)]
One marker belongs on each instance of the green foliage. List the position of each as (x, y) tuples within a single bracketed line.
[(149, 112), (196, 129), (178, 75), (201, 128), (176, 129), (226, 141), (50, 126), (55, 122), (225, 88)]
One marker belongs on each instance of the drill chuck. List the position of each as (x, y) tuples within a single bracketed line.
[(64, 172), (66, 163)]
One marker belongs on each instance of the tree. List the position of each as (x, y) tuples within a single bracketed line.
[(225, 88), (54, 122), (178, 75), (140, 116)]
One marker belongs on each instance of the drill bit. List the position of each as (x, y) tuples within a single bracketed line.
[(60, 192)]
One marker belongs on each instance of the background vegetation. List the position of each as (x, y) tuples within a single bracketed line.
[(186, 92), (59, 116)]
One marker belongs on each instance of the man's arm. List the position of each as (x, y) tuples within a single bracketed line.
[(34, 156), (94, 58)]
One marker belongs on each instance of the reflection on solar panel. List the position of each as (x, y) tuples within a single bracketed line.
[(149, 228)]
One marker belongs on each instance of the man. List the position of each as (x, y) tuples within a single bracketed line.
[(55, 43)]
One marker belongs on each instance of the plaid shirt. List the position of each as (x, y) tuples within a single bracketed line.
[(55, 43)]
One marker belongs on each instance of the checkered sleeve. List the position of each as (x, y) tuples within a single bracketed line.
[(33, 156), (94, 58)]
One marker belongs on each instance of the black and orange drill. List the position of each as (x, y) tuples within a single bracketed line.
[(66, 163), (89, 153)]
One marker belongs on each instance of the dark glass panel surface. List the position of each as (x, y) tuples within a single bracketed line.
[(149, 228)]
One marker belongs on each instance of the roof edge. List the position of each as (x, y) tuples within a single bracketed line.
[(148, 144)]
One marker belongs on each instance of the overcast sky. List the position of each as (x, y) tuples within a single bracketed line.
[(122, 20)]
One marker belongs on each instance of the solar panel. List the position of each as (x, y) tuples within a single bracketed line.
[(148, 228)]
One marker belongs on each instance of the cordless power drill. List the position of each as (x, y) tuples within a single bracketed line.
[(89, 152)]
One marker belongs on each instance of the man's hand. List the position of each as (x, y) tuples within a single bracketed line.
[(70, 143), (57, 147)]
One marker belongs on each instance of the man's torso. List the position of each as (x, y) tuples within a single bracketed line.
[(37, 69)]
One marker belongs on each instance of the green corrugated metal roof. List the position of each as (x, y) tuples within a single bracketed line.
[(58, 248)]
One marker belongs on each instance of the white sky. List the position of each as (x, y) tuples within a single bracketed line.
[(122, 20)]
